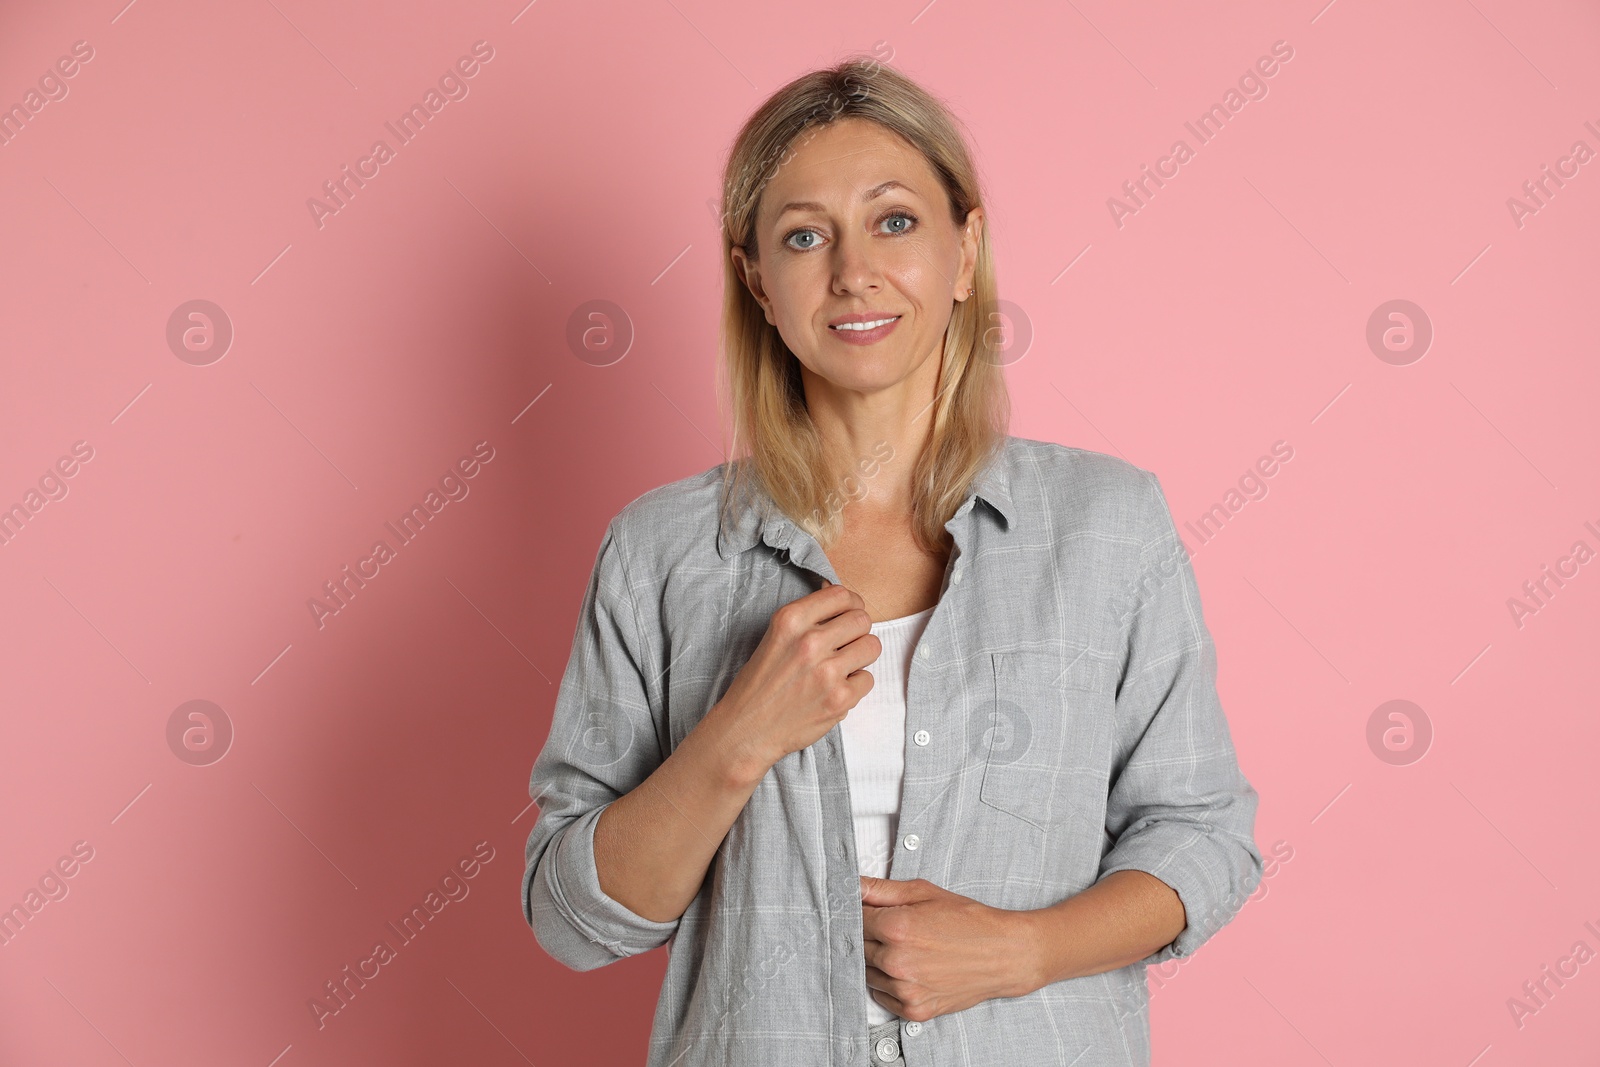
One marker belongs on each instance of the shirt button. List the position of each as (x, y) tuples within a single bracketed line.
[(921, 737), (912, 841), (955, 576), (888, 1050), (913, 1028), (922, 651)]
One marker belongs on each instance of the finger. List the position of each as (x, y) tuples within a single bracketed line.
[(872, 952), (829, 586), (846, 627), (859, 652), (889, 1002), (882, 981), (886, 892), (828, 601), (878, 987)]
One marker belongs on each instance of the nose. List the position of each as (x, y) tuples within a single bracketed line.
[(855, 272)]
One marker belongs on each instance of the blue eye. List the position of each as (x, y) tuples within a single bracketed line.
[(909, 219)]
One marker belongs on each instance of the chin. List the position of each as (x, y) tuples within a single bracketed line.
[(866, 378)]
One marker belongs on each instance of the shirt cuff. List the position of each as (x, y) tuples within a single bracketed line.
[(572, 917), (1199, 867)]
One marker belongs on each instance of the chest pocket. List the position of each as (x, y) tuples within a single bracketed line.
[(1043, 736)]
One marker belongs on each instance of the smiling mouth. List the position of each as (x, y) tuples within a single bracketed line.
[(856, 327)]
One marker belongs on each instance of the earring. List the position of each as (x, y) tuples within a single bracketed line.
[(972, 290)]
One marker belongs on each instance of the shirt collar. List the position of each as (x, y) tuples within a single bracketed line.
[(758, 518)]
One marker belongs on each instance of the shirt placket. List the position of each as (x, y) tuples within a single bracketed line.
[(928, 724), (925, 726), (842, 921)]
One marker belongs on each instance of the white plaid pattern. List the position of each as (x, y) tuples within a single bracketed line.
[(1068, 681)]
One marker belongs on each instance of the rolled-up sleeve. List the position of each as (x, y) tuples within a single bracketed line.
[(1178, 807), (602, 744)]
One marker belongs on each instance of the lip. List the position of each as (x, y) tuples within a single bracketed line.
[(863, 316), (864, 337)]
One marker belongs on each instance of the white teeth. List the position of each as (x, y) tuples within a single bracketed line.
[(864, 325)]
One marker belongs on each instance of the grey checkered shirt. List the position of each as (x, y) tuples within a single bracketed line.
[(1067, 683)]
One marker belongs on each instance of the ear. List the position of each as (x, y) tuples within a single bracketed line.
[(971, 235), (750, 273)]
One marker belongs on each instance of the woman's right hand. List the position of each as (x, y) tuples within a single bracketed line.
[(803, 678)]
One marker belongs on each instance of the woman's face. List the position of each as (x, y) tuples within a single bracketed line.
[(857, 225)]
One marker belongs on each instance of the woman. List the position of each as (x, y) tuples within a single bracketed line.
[(856, 854)]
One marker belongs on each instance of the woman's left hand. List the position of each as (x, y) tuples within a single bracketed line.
[(931, 952)]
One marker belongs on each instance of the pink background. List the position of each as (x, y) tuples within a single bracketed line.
[(371, 754)]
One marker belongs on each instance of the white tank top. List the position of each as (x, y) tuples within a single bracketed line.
[(874, 733)]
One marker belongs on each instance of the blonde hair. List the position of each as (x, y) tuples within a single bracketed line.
[(781, 446)]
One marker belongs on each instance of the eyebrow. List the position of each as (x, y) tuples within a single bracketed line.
[(871, 194)]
